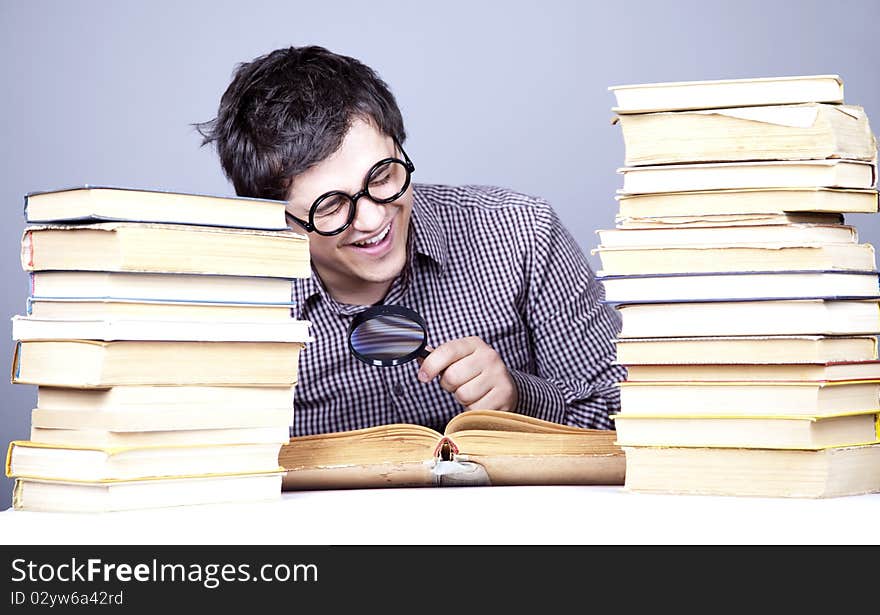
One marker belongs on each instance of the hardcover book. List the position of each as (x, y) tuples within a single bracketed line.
[(287, 330), (744, 201), (35, 460), (727, 219), (776, 132), (143, 286), (756, 472), (719, 93), (125, 413), (153, 423), (748, 431), (734, 286), (86, 309), (799, 175), (757, 372), (762, 318), (92, 203), (746, 350), (726, 235), (478, 447), (111, 439), (108, 496), (99, 364), (139, 400), (165, 248), (780, 398), (777, 256)]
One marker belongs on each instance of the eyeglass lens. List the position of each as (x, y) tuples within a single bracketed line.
[(385, 183)]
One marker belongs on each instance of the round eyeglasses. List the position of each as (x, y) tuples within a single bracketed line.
[(334, 211)]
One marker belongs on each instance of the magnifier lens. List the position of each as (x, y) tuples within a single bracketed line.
[(387, 335)]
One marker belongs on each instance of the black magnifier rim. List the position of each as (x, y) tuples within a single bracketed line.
[(388, 310)]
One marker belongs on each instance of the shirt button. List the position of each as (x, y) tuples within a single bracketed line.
[(397, 388)]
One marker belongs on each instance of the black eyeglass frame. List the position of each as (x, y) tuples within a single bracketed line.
[(309, 225)]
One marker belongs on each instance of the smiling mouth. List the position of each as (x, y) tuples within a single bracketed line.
[(374, 240)]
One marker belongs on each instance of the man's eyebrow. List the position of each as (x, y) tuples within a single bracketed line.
[(386, 156), (363, 180)]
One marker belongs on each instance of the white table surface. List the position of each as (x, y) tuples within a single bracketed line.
[(468, 515)]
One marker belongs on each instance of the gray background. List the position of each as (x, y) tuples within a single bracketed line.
[(506, 93)]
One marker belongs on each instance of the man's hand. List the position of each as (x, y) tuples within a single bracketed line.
[(472, 371)]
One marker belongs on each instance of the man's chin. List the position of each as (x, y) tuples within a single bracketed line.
[(381, 276)]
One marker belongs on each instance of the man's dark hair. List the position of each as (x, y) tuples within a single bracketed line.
[(290, 109)]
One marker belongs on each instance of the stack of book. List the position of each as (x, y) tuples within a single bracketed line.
[(159, 334), (749, 307)]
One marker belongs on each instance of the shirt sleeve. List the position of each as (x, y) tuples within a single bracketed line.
[(571, 333)]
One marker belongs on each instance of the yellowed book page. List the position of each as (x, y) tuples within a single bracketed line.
[(788, 132), (489, 442), (189, 249), (368, 476), (398, 443), (524, 469), (504, 421)]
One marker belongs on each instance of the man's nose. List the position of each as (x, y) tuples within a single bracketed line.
[(369, 214)]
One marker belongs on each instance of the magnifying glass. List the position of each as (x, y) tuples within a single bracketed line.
[(388, 335)]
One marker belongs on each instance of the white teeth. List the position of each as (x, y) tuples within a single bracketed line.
[(375, 239)]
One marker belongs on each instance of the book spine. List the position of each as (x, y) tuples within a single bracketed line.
[(16, 363), (27, 251), (445, 449), (17, 502), (9, 459)]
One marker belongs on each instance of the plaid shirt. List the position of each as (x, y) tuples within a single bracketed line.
[(481, 261)]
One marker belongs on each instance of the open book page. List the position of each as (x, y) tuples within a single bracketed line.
[(383, 456), (509, 448), (521, 450)]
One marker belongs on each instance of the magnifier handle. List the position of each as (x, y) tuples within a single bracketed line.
[(424, 352)]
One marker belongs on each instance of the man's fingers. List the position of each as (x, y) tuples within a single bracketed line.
[(490, 401), (461, 372), (475, 390), (443, 356), (423, 354), (473, 372)]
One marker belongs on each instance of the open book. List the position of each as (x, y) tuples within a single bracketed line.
[(478, 447)]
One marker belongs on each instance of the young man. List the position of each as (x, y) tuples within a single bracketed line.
[(510, 302)]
